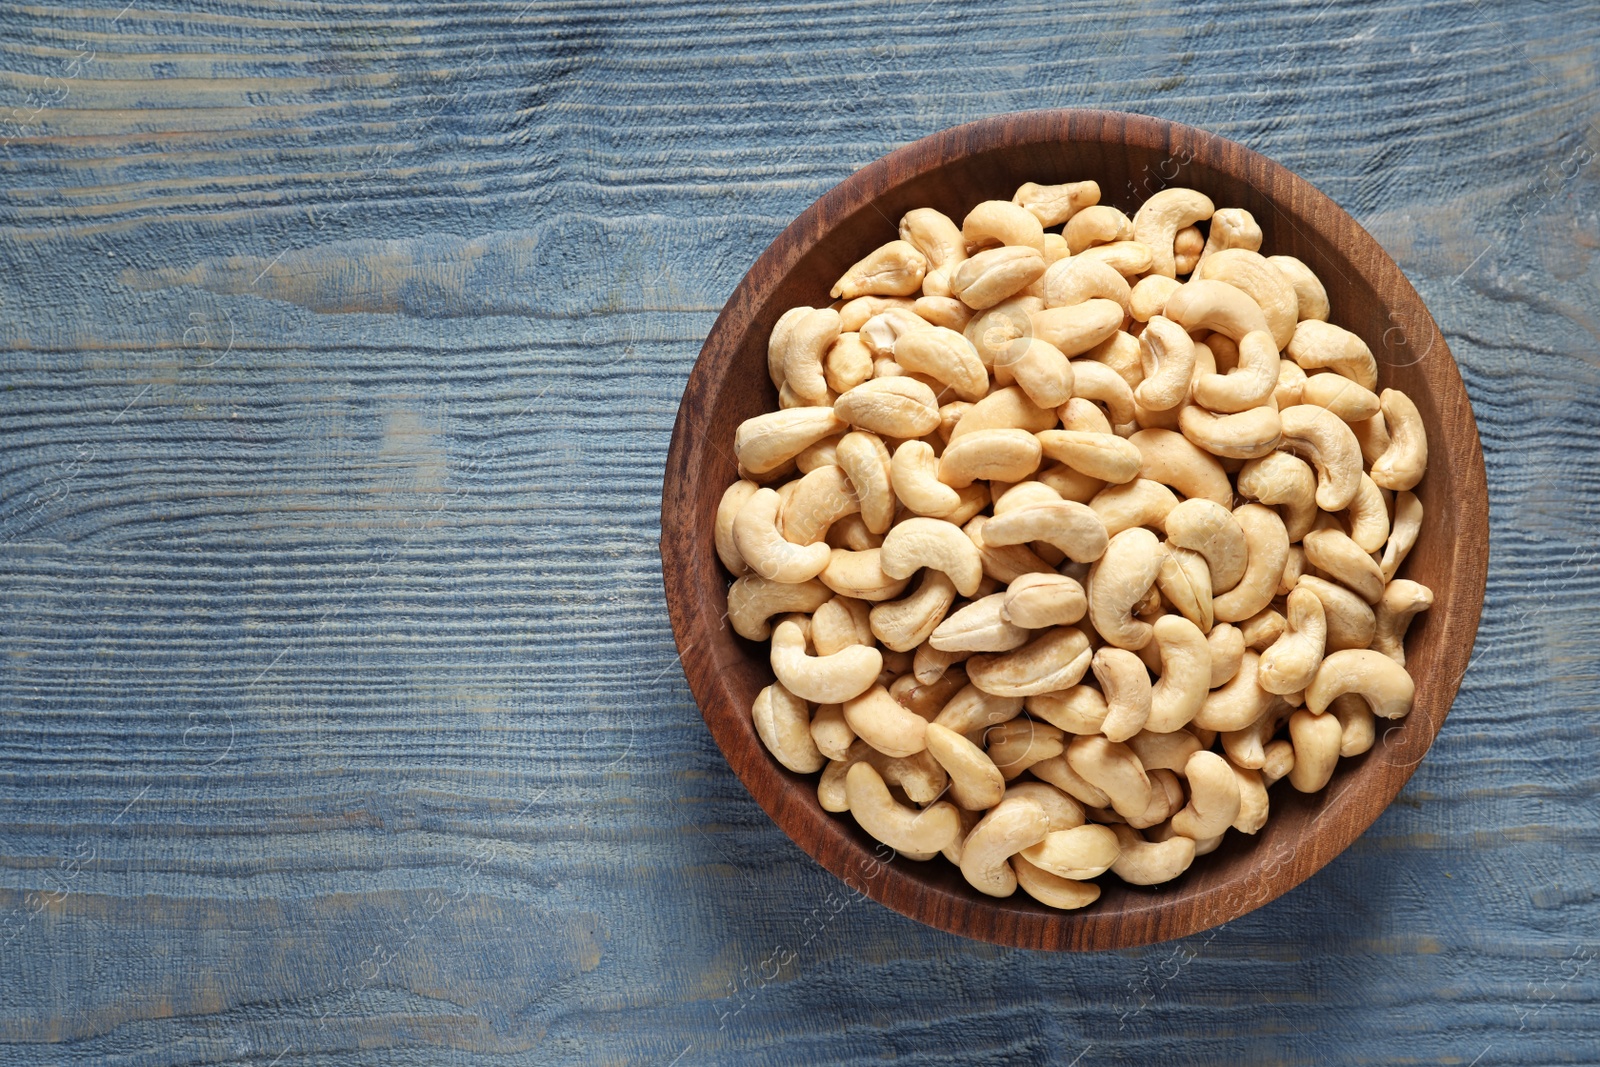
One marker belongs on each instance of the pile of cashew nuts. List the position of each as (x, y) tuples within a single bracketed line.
[(1073, 533)]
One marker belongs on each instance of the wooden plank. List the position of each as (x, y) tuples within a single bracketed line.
[(339, 718)]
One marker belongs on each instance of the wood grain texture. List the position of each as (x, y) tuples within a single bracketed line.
[(340, 721), (1131, 157)]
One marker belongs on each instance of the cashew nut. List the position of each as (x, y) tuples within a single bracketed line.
[(1112, 768), (1401, 602), (1357, 723), (1120, 353), (1055, 659), (1286, 480), (929, 664), (1096, 225), (914, 476), (928, 698), (1251, 383), (1185, 581), (1003, 563), (897, 407), (1371, 434), (1011, 826), (973, 709), (904, 624), (1164, 751), (996, 329), (1226, 644), (1036, 601), (732, 501), (1128, 258), (1149, 295), (1098, 382), (924, 542), (840, 623), (1172, 459), (821, 498), (1291, 662), (830, 733), (1368, 516), (1406, 459), (1267, 545), (1251, 274), (1167, 355), (1253, 804), (1059, 773), (1054, 204), (1141, 502), (1238, 703), (980, 626), (1403, 534), (893, 269), (975, 782), (1005, 409), (1351, 622), (1316, 748), (1071, 527), (1076, 279), (859, 574), (1278, 761), (1076, 329), (1051, 890), (1206, 527), (1245, 435), (1158, 220), (997, 455), (1187, 244), (946, 356), (765, 442), (1186, 674), (934, 235), (997, 274), (1024, 494), (852, 533), (855, 314), (1077, 709), (1144, 862), (1385, 685), (778, 342), (1232, 227), (884, 723), (1310, 296), (1334, 553), (1077, 853), (1214, 797), (755, 533), (1000, 222), (1040, 369), (1345, 398), (782, 721), (1126, 685), (1331, 446), (1247, 747), (1317, 345), (902, 828), (830, 679), (1212, 305), (1119, 581)]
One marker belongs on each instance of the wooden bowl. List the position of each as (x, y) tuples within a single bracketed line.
[(1130, 156)]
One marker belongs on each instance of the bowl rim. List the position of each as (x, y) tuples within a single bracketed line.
[(1158, 917)]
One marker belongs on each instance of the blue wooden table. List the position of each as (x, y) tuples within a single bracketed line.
[(340, 722)]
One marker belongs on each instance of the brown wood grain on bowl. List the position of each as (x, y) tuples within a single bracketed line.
[(1131, 157)]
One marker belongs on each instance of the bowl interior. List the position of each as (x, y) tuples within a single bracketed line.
[(1131, 157)]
